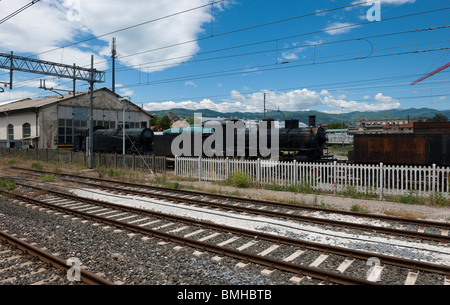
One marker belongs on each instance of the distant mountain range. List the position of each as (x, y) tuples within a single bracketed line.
[(302, 116)]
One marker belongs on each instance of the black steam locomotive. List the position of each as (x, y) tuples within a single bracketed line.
[(137, 140), (304, 144)]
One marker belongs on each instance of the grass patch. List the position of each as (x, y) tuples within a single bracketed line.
[(440, 200), (294, 188), (239, 179), (413, 198), (350, 191), (9, 185), (359, 209), (48, 178), (37, 165), (169, 184), (410, 198)]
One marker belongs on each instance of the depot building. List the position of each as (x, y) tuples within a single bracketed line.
[(53, 122)]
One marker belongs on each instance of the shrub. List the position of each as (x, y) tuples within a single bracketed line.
[(37, 165), (239, 179), (48, 178)]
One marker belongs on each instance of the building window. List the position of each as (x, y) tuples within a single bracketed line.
[(10, 132), (26, 132), (65, 131), (26, 128)]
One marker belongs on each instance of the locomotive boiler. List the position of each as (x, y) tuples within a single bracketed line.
[(137, 140)]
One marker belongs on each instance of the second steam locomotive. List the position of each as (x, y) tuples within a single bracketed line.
[(302, 143)]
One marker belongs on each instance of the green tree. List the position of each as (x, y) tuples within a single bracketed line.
[(164, 123), (439, 117), (337, 125), (161, 123)]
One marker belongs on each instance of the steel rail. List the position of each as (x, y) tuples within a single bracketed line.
[(85, 276), (384, 259), (309, 219), (328, 277), (442, 225)]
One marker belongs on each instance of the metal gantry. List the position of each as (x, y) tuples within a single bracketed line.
[(13, 63)]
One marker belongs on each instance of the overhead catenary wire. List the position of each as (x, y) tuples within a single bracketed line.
[(303, 65), (129, 27), (4, 19), (133, 67), (272, 67), (284, 38), (329, 86), (303, 34), (394, 17)]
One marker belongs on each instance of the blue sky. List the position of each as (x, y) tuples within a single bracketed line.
[(302, 55)]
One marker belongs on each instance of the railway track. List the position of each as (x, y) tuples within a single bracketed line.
[(169, 228), (25, 264), (415, 229)]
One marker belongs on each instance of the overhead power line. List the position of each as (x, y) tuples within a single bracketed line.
[(144, 65), (284, 38), (19, 11), (208, 37), (272, 67), (130, 27)]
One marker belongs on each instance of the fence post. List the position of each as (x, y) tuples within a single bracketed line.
[(200, 168), (295, 172), (227, 168), (433, 183), (176, 166), (335, 177), (381, 180), (258, 171)]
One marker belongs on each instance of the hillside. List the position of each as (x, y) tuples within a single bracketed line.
[(302, 116)]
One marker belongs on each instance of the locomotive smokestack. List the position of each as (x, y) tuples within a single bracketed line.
[(312, 120)]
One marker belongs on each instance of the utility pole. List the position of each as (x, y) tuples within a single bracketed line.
[(91, 119), (264, 105), (74, 79), (113, 56)]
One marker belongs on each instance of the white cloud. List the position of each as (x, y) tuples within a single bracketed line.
[(337, 28), (51, 24), (295, 100), (384, 99), (190, 83), (11, 96)]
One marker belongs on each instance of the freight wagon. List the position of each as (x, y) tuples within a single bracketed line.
[(429, 144)]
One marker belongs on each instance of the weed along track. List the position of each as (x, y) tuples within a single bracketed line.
[(188, 242)]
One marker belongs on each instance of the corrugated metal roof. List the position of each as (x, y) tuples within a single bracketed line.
[(29, 103)]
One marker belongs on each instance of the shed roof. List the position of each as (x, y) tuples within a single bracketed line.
[(29, 103)]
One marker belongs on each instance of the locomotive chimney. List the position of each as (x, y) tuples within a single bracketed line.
[(312, 120)]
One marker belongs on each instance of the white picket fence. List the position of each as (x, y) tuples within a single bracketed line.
[(335, 177)]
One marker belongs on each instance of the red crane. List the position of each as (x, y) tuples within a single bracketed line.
[(432, 73)]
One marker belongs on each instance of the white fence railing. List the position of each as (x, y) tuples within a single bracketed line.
[(334, 177)]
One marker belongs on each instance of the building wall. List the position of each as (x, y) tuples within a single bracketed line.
[(17, 120), (55, 123)]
